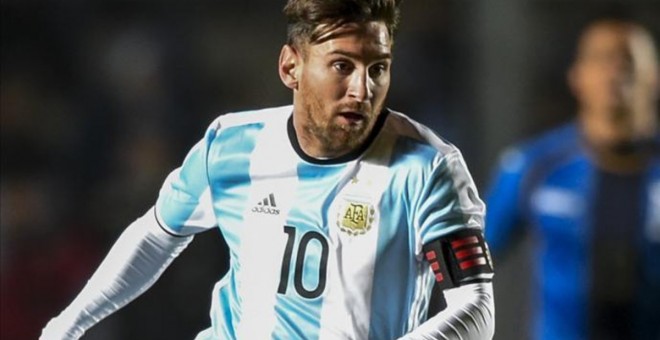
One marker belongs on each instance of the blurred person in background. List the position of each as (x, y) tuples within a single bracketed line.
[(590, 193), (340, 214)]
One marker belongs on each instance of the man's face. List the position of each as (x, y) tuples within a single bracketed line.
[(615, 82), (342, 83)]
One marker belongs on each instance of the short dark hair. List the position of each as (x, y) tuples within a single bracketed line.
[(305, 17)]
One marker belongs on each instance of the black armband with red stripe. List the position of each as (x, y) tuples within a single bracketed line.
[(459, 258)]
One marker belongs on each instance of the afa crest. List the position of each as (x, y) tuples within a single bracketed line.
[(355, 218)]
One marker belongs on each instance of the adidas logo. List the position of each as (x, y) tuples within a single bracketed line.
[(267, 206)]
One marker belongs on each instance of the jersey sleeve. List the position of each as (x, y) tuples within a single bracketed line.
[(448, 201), (184, 204), (449, 209), (503, 200)]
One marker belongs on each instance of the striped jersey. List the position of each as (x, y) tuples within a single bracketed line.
[(319, 248)]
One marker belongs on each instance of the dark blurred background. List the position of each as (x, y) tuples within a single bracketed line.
[(101, 99)]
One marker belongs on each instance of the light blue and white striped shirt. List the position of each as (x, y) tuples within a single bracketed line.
[(320, 249)]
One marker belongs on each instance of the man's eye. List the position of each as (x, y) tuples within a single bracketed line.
[(377, 70), (342, 67)]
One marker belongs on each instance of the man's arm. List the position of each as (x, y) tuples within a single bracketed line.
[(503, 199), (449, 216), (146, 248), (470, 315), (135, 262), (463, 271)]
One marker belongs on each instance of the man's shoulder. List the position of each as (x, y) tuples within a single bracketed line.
[(561, 139), (554, 138), (413, 135), (252, 117), (547, 149)]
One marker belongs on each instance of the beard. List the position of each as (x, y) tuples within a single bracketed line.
[(638, 146), (336, 139)]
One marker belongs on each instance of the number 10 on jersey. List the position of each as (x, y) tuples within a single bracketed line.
[(299, 263)]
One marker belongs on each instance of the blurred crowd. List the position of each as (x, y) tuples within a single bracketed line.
[(99, 100), (99, 103)]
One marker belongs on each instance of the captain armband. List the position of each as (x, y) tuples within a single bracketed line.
[(459, 258)]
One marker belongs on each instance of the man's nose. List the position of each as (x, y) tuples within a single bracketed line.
[(359, 86)]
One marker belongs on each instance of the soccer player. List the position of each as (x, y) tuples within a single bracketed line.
[(340, 214), (590, 191)]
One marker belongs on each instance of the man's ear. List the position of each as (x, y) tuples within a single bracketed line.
[(289, 66), (572, 80)]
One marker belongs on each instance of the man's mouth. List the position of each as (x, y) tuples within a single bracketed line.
[(352, 117)]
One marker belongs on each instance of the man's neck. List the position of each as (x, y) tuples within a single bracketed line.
[(618, 162), (311, 146)]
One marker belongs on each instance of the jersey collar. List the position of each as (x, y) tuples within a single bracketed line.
[(380, 121)]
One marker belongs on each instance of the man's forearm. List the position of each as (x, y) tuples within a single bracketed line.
[(134, 263), (470, 315)]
